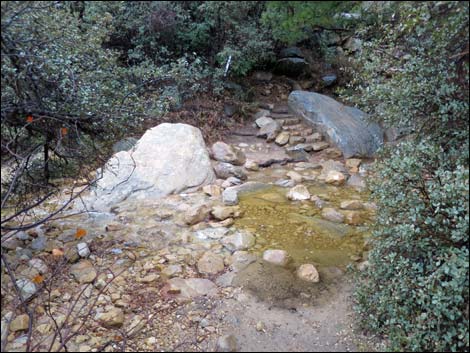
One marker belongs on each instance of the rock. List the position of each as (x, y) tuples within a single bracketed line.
[(111, 318), (261, 113), (227, 343), (83, 271), (26, 287), (292, 67), (357, 182), (251, 165), (172, 271), (231, 181), (315, 137), (296, 177), (332, 215), (83, 250), (20, 323), (210, 263), (329, 80), (223, 212), (192, 287), (351, 205), (308, 273), (318, 201), (276, 257), (269, 131), (298, 192), (305, 147), (285, 183), (319, 146), (125, 144), (230, 196), (345, 126), (353, 218), (39, 265), (296, 139), (182, 165), (282, 138), (260, 326), (333, 153), (196, 214), (226, 153), (291, 52), (148, 279), (263, 121), (262, 76), (362, 266), (330, 165), (240, 260), (225, 170), (39, 243), (241, 240), (335, 178), (353, 164), (212, 190)]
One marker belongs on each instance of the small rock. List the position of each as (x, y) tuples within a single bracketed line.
[(296, 139), (39, 243), (83, 271), (335, 178), (210, 263), (20, 323), (353, 218), (353, 164), (285, 183), (230, 196), (362, 266), (196, 214), (260, 327), (282, 138), (226, 153), (309, 273), (333, 153), (329, 80), (223, 212), (357, 182), (231, 181), (351, 205), (39, 265), (111, 318), (264, 120), (27, 288), (149, 278), (276, 257), (241, 240), (227, 343), (251, 165), (332, 215), (296, 177), (172, 271), (318, 201), (83, 250), (319, 146), (315, 137), (298, 192), (261, 113), (212, 190), (225, 170), (269, 131)]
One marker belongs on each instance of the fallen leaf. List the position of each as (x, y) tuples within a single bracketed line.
[(80, 233), (29, 119), (38, 279), (63, 131)]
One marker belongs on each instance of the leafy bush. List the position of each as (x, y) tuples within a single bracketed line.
[(412, 74)]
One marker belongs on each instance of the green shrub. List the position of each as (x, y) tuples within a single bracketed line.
[(411, 75)]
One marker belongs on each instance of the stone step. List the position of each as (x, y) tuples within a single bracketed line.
[(281, 115), (293, 127), (291, 121), (280, 109)]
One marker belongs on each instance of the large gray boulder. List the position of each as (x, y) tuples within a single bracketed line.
[(347, 127), (169, 158)]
